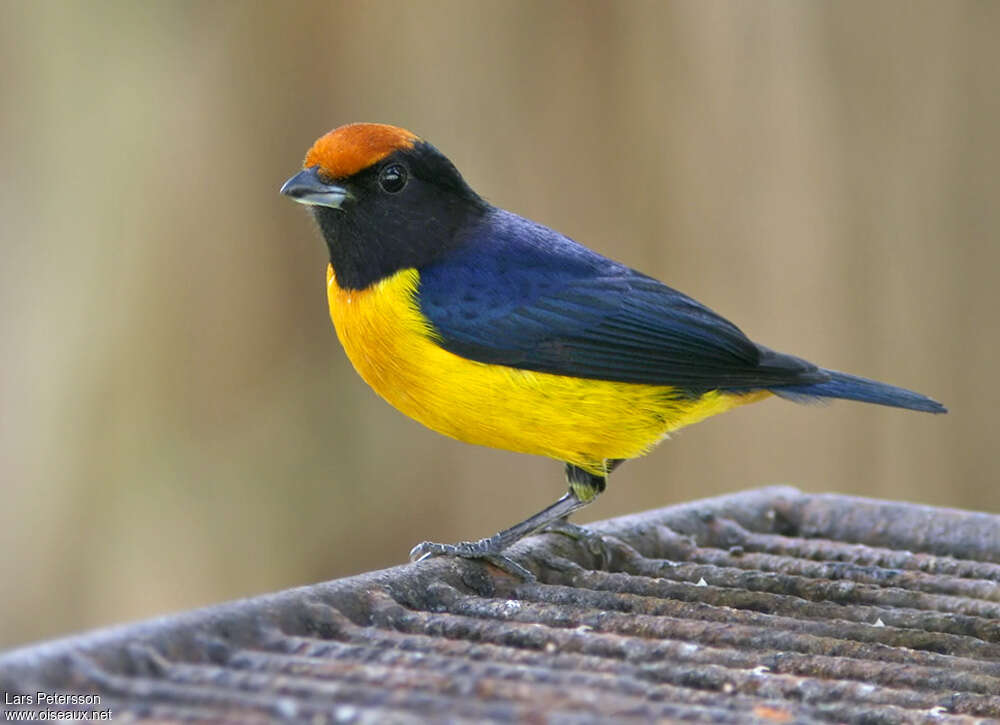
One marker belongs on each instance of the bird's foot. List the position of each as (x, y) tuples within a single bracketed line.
[(484, 549), (492, 549), (594, 542), (573, 531)]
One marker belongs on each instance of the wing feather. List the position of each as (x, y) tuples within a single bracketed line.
[(521, 295)]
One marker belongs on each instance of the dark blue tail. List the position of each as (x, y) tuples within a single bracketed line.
[(851, 387)]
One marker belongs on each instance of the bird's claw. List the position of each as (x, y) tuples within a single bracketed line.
[(471, 550), (427, 549), (593, 541), (573, 531)]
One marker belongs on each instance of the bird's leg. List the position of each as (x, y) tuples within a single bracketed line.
[(583, 488), (583, 483)]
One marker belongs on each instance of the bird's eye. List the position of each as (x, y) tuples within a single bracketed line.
[(393, 178)]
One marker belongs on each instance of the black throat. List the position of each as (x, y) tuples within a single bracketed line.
[(377, 234)]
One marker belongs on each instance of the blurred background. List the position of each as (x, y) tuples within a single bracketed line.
[(178, 424)]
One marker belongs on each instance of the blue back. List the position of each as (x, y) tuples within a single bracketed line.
[(517, 293)]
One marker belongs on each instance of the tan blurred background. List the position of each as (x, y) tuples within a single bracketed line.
[(179, 425)]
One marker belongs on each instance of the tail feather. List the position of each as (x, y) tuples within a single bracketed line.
[(852, 387)]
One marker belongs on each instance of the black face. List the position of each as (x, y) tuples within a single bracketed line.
[(402, 212)]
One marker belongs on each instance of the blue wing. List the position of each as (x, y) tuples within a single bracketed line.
[(516, 293)]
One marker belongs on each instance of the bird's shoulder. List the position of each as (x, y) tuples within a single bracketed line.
[(505, 262), (517, 293)]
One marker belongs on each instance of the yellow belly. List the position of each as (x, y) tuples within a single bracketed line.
[(580, 421)]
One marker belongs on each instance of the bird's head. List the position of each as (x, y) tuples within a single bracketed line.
[(384, 199)]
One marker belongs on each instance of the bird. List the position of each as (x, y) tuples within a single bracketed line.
[(499, 331)]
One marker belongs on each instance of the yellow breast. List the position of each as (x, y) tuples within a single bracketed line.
[(580, 421)]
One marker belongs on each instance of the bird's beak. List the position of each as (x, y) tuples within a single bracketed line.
[(306, 187)]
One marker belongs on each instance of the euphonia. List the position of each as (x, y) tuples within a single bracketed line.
[(496, 330)]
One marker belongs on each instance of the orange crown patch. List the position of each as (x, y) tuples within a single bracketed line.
[(347, 150)]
